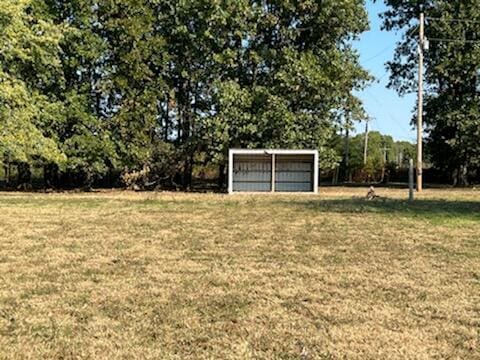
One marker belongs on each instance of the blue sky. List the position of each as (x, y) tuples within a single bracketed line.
[(391, 113)]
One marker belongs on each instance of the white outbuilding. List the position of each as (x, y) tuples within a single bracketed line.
[(273, 170)]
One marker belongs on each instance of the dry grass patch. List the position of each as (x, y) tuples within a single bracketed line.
[(162, 275)]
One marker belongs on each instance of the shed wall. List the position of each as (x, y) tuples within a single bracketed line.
[(294, 173), (252, 173)]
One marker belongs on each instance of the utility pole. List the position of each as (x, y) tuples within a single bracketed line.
[(421, 47), (384, 150), (347, 149), (365, 146)]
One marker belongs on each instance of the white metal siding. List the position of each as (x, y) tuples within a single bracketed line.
[(294, 173), (252, 173), (251, 170)]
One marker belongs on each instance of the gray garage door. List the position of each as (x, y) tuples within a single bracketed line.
[(252, 173), (294, 173)]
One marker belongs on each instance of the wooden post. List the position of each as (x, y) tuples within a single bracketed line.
[(347, 151), (420, 105), (365, 145)]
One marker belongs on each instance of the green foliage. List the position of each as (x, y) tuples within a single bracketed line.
[(30, 64), (452, 112), (382, 152), (294, 74), (126, 85)]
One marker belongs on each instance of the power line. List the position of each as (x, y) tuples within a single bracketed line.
[(412, 30), (382, 77), (379, 126), (401, 127), (380, 53)]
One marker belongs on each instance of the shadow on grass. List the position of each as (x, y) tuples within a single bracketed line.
[(425, 208)]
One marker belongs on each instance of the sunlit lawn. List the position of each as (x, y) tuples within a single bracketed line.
[(162, 275)]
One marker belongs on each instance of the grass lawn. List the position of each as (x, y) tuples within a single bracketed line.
[(177, 276)]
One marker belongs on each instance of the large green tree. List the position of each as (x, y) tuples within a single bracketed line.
[(293, 74), (452, 103), (84, 133), (382, 152), (162, 85), (30, 67)]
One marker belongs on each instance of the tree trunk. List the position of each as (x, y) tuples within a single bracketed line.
[(346, 156), (50, 176), (188, 129), (463, 175), (187, 173), (460, 176), (335, 176), (221, 176), (6, 168), (167, 118), (24, 175)]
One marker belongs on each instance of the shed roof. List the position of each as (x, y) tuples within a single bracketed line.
[(273, 151)]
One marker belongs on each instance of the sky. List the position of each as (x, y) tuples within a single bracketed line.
[(391, 113)]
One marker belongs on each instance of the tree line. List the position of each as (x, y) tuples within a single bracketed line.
[(452, 71), (374, 160), (155, 92), (150, 89)]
